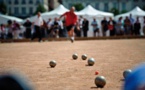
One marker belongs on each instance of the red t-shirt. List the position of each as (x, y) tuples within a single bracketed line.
[(70, 18), (110, 27)]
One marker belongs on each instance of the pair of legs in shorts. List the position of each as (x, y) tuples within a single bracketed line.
[(70, 30), (56, 32), (96, 31)]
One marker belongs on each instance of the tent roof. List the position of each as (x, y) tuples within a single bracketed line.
[(89, 10), (58, 11), (5, 18), (135, 12)]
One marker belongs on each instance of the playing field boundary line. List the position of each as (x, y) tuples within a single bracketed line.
[(77, 39)]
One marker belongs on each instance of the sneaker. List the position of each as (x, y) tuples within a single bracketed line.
[(72, 40), (40, 41), (57, 36)]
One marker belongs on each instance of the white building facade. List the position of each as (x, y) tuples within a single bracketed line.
[(26, 8), (139, 3), (22, 8), (107, 5)]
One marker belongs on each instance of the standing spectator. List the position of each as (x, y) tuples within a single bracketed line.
[(61, 28), (65, 32), (127, 26), (81, 24), (119, 27), (85, 27), (77, 30), (132, 23), (2, 31), (38, 23), (44, 29), (137, 27), (70, 22), (144, 25), (78, 27), (95, 27), (28, 26), (104, 24), (49, 27), (111, 26), (16, 29), (9, 27), (56, 27)]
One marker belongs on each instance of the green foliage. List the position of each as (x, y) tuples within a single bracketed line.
[(115, 11), (124, 11), (143, 8), (40, 8), (78, 6), (3, 8)]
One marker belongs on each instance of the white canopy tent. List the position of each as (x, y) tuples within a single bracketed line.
[(52, 14), (58, 11), (89, 12), (55, 13), (136, 12), (5, 18)]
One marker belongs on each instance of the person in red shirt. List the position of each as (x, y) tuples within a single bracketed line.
[(70, 22)]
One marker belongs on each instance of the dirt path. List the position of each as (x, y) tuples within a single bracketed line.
[(112, 58)]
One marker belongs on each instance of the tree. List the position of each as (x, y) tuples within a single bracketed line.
[(51, 5), (123, 11), (143, 8), (3, 8), (40, 8), (78, 6), (115, 11), (60, 1)]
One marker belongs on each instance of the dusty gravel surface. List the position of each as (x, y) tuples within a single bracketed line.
[(112, 57)]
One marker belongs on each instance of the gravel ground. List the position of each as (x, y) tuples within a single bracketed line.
[(32, 59)]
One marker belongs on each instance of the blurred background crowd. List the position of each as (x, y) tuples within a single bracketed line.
[(55, 28), (95, 19)]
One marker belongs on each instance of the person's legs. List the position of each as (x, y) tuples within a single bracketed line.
[(126, 31), (35, 33), (71, 34), (27, 33), (112, 32), (85, 33), (70, 30), (39, 34), (103, 32), (15, 34), (33, 36), (57, 33), (65, 32), (94, 33)]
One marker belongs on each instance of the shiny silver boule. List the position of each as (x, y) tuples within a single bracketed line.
[(91, 61), (126, 73), (75, 56), (52, 63), (84, 57), (100, 81)]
